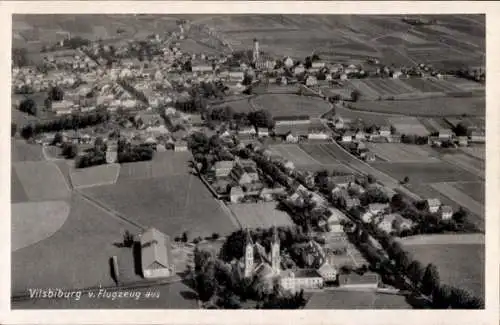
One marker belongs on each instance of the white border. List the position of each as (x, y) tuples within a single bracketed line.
[(386, 317)]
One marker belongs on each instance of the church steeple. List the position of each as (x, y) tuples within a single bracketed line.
[(275, 251), (249, 251)]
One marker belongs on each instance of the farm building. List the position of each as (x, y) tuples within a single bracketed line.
[(291, 137), (354, 280), (446, 212), (477, 137), (377, 208), (311, 81), (463, 141), (339, 123), (432, 205), (156, 256), (360, 135), (385, 131), (445, 134), (342, 181), (262, 132), (180, 146), (202, 68), (347, 136), (368, 156)]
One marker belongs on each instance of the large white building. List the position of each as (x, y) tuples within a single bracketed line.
[(156, 254)]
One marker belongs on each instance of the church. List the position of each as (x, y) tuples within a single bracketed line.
[(264, 270)]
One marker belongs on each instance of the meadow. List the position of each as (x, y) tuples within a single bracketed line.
[(399, 152), (291, 105), (260, 215)]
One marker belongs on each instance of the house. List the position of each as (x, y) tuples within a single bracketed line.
[(262, 132), (347, 136), (311, 81), (368, 156), (477, 137), (244, 175), (289, 165), (328, 272), (445, 134), (339, 123), (156, 255), (334, 221), (236, 194), (343, 180), (315, 134), (301, 279), (394, 222), (268, 194), (446, 212), (397, 74), (223, 168), (236, 75), (385, 131), (360, 135), (351, 202), (357, 146), (377, 208), (180, 146), (353, 280), (291, 138), (111, 153), (202, 68), (463, 141), (432, 205)]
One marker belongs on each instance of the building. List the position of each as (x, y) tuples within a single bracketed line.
[(347, 136), (446, 212), (255, 51), (394, 222), (156, 256), (328, 272), (445, 134), (291, 138), (301, 279), (432, 205), (369, 156), (356, 281), (244, 175), (236, 194), (202, 68), (377, 208), (111, 152), (343, 180), (180, 146), (360, 135), (478, 137), (250, 268), (351, 202), (223, 168), (463, 141), (311, 81), (385, 131)]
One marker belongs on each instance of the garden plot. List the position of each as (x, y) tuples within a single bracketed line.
[(398, 152), (95, 175), (32, 222), (42, 180), (293, 153), (408, 125), (260, 215)]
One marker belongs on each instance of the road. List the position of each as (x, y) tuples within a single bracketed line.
[(444, 239)]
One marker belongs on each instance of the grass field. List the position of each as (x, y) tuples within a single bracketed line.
[(17, 192), (172, 204), (32, 222), (291, 105), (458, 265), (95, 176), (42, 180), (473, 165), (431, 85), (22, 151), (86, 242), (387, 87), (260, 215), (477, 151), (450, 191), (399, 152), (434, 124), (408, 125), (294, 153), (442, 106), (368, 118), (356, 300), (475, 190), (431, 172)]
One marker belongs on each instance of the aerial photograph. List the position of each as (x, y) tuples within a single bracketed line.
[(249, 161)]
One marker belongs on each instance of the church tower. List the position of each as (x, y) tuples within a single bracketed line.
[(255, 50), (275, 252), (248, 255)]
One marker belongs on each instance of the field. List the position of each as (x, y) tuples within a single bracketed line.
[(295, 154), (398, 152), (172, 204), (367, 118), (465, 85), (473, 165), (431, 172), (475, 190), (196, 47), (37, 177), (382, 87), (291, 105), (260, 215), (238, 106), (458, 196), (431, 85), (22, 151), (85, 240), (476, 151), (408, 125), (458, 265), (32, 222), (356, 300), (95, 176), (431, 107), (434, 124)]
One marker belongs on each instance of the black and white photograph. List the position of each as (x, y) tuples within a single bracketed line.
[(248, 161)]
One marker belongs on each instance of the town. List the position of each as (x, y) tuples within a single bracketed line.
[(229, 169)]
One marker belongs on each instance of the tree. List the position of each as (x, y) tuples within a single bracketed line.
[(441, 297), (397, 201), (460, 130), (315, 57), (13, 129), (56, 94), (58, 139), (69, 151), (205, 282), (355, 95), (460, 216), (27, 131), (184, 237), (430, 280), (308, 63), (28, 106), (128, 239), (415, 272), (261, 118), (371, 179), (406, 180)]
